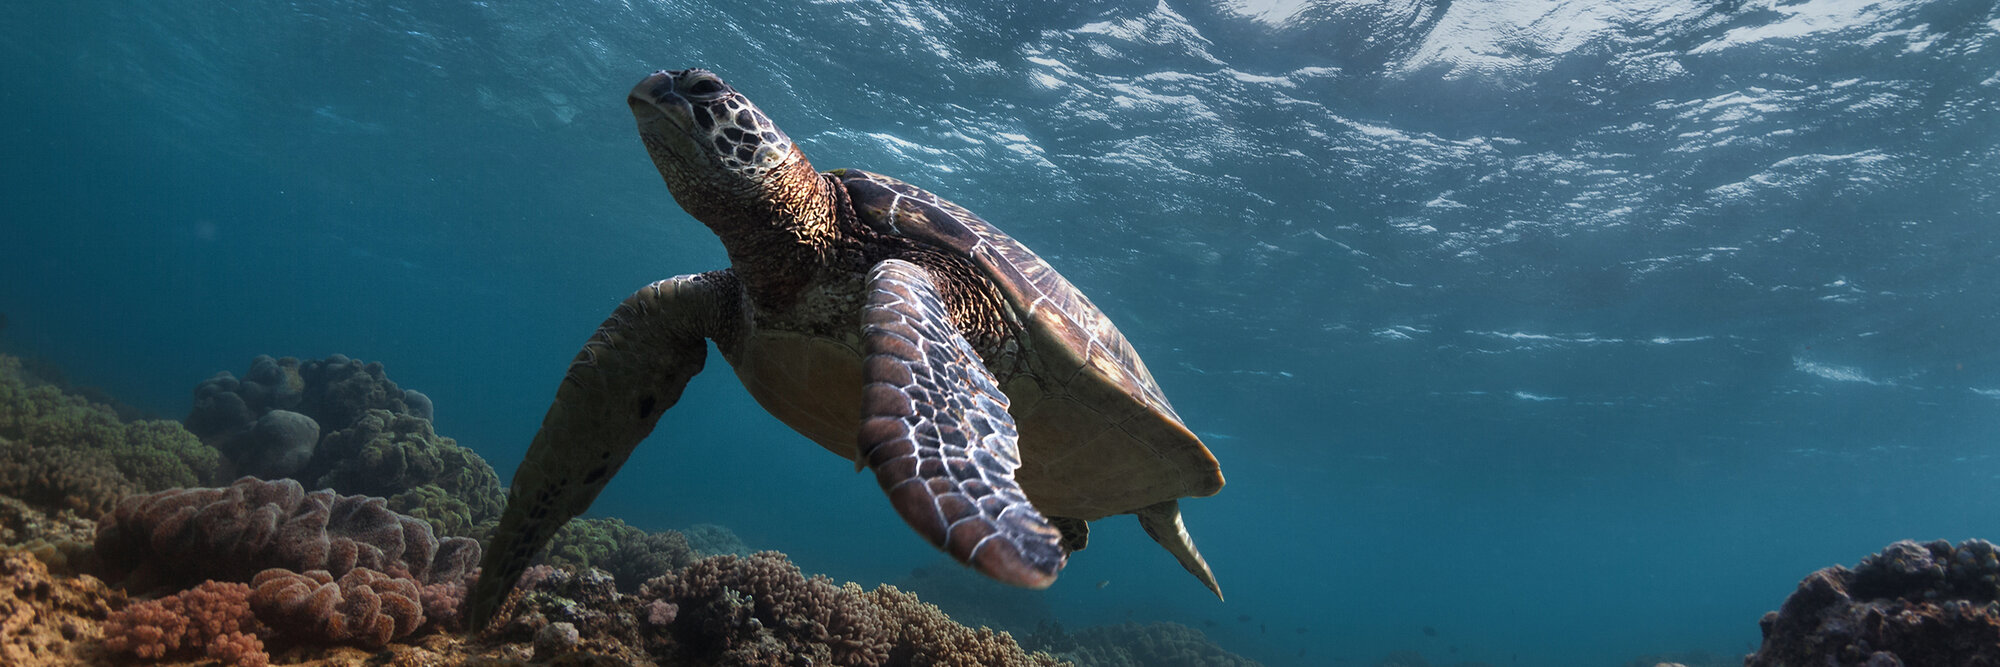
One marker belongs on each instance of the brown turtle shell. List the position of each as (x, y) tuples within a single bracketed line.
[(1097, 435)]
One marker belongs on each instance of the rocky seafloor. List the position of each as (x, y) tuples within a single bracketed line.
[(307, 513)]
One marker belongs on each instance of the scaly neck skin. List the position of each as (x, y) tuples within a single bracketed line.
[(776, 233)]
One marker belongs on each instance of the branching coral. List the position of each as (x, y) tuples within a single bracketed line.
[(926, 637), (213, 618), (761, 610), (364, 606), (231, 533), (730, 606), (1912, 604)]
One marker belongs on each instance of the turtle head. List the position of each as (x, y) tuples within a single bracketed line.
[(719, 153)]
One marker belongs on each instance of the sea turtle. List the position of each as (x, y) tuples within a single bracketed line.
[(998, 408)]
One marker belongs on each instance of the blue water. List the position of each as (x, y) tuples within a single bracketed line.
[(1574, 331)]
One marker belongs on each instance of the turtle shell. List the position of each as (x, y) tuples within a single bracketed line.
[(1097, 435)]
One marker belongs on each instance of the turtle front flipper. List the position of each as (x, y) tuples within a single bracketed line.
[(935, 429), (626, 376)]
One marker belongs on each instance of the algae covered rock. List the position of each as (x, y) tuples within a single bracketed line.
[(1911, 604)]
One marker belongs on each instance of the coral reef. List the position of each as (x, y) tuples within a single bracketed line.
[(342, 424), (631, 555), (213, 619), (710, 539), (363, 607), (748, 608), (60, 451), (1911, 604), (44, 618), (974, 599), (382, 453), (761, 610), (925, 635), (1135, 645), (608, 623), (182, 536)]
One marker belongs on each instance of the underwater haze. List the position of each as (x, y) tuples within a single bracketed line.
[(1527, 333)]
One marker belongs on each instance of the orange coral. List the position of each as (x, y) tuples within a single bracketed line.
[(214, 617)]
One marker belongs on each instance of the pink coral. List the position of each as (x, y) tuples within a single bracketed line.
[(214, 617), (444, 601), (232, 533), (363, 606)]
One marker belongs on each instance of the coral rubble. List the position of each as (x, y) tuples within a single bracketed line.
[(1911, 604), (46, 618)]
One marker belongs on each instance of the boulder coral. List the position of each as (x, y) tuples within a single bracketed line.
[(1911, 604), (182, 536), (341, 423)]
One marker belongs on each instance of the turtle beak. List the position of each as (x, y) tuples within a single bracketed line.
[(652, 92)]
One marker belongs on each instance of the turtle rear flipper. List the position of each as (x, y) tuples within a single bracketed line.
[(626, 376), (1162, 522), (935, 430)]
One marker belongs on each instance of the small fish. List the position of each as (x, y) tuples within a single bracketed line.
[(1302, 653), (1209, 622), (1102, 584), (1243, 618), (1263, 628), (1302, 630), (1454, 649), (1430, 631)]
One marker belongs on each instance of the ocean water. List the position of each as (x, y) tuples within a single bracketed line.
[(1573, 332)]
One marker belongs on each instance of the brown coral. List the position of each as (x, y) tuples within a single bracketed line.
[(364, 606), (213, 618), (727, 603), (926, 637), (42, 617), (232, 533)]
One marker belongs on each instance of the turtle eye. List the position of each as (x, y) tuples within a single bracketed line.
[(705, 87)]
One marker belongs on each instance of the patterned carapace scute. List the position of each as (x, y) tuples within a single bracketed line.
[(1047, 299)]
